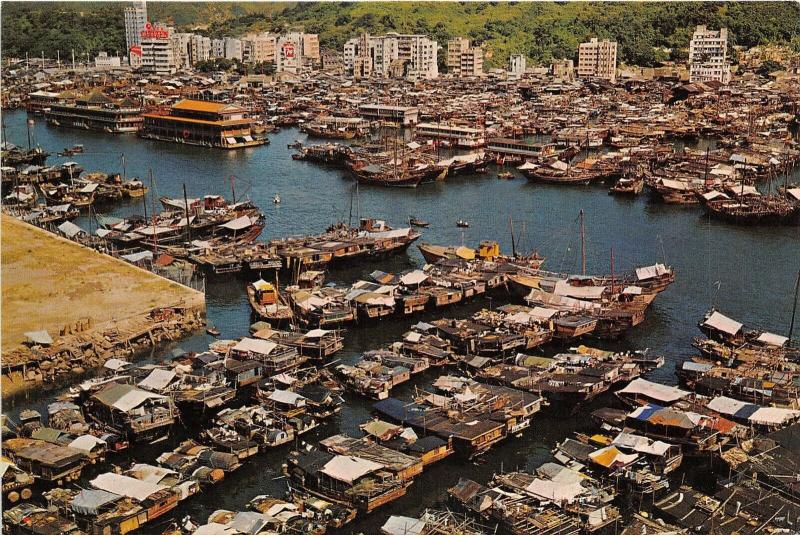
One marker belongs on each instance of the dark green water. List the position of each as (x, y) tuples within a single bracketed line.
[(755, 269)]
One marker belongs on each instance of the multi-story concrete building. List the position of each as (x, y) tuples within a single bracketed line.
[(217, 48), (516, 66), (563, 68), (258, 48), (135, 19), (414, 56), (708, 54), (233, 48), (181, 45), (199, 48), (463, 59), (297, 51), (157, 49), (598, 59)]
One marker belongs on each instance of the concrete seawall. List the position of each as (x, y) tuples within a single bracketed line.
[(93, 306)]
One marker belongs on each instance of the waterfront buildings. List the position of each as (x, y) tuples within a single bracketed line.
[(198, 122), (598, 59), (708, 53), (104, 61), (463, 59), (135, 20), (96, 111), (458, 135), (392, 56)]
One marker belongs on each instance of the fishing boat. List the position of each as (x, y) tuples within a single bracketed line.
[(627, 186), (267, 303), (559, 172), (461, 223), (754, 210), (505, 175), (414, 222)]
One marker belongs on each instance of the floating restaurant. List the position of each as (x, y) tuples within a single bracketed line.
[(199, 122), (96, 111)]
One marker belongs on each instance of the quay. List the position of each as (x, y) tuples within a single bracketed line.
[(78, 307)]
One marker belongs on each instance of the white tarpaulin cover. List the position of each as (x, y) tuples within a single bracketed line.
[(651, 272), (772, 339), (403, 525), (126, 486), (86, 443), (556, 491), (69, 229), (287, 397), (415, 277), (722, 323), (238, 224), (253, 345), (349, 469), (578, 292), (656, 391)]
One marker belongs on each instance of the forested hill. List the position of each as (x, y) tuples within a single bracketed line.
[(647, 32)]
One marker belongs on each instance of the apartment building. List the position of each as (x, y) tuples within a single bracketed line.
[(296, 52), (463, 59), (598, 59), (199, 48), (708, 56), (157, 52), (391, 55), (258, 48)]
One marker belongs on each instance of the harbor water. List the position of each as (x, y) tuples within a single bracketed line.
[(748, 273)]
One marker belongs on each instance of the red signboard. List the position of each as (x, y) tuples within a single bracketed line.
[(154, 32), (136, 50), (288, 50)]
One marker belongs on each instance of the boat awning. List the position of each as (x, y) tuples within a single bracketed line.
[(103, 232), (316, 333), (287, 398), (527, 166), (253, 345), (403, 525), (230, 141), (722, 323), (89, 501), (611, 457), (126, 486), (794, 192), (542, 313), (239, 223), (557, 491), (772, 339), (349, 469), (657, 391), (116, 364), (578, 292), (651, 272), (415, 277), (714, 194), (88, 188), (247, 138), (86, 443)]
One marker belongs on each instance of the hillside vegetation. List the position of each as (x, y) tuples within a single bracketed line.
[(647, 32)]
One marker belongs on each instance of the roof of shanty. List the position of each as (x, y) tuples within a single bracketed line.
[(42, 452)]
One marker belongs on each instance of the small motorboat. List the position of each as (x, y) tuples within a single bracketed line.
[(276, 199), (462, 223), (505, 175), (213, 331), (414, 222), (296, 144)]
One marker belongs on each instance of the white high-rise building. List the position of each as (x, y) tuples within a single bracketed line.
[(181, 45), (297, 51), (516, 66), (135, 19), (218, 48), (199, 48), (464, 59), (411, 55), (708, 55), (233, 48), (258, 48)]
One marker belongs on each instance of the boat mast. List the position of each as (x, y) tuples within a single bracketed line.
[(153, 200), (583, 244), (513, 242), (186, 211), (124, 172), (612, 271), (794, 307)]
